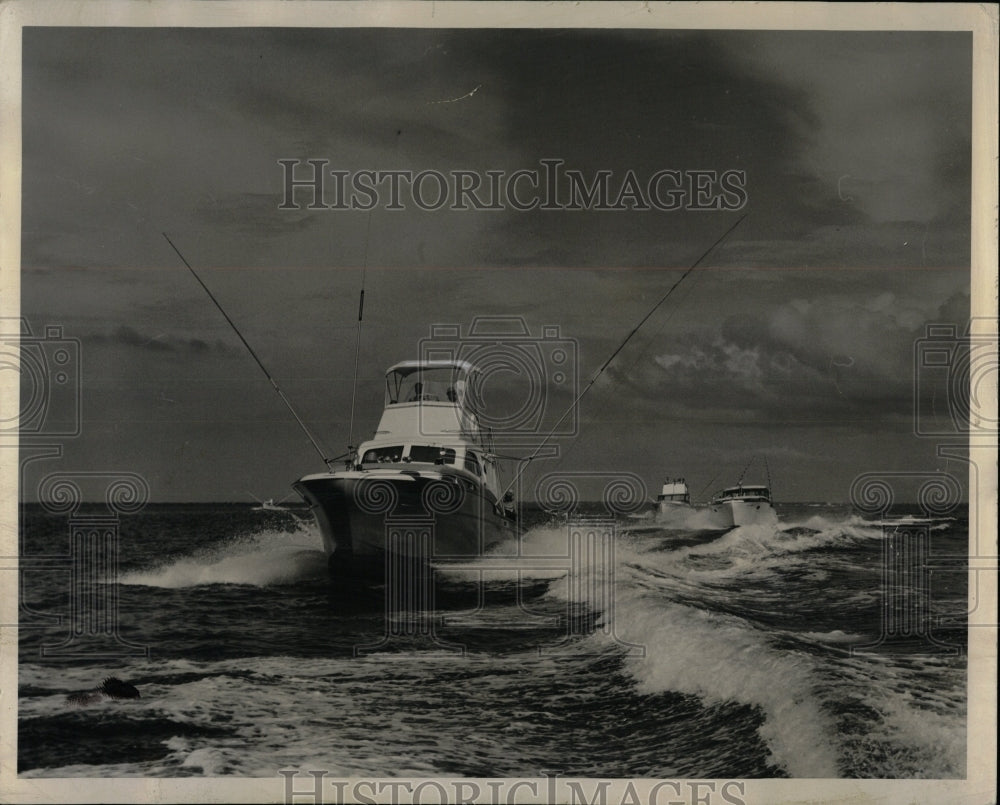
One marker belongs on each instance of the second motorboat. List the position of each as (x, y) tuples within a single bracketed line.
[(742, 505), (739, 505)]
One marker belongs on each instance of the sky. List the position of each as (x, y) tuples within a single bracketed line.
[(792, 341)]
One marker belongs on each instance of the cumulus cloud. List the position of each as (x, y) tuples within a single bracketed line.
[(830, 358)]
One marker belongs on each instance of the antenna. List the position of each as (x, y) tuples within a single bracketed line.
[(253, 354), (620, 347), (357, 344)]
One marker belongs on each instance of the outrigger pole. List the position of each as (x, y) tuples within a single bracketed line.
[(767, 470), (621, 346), (281, 394)]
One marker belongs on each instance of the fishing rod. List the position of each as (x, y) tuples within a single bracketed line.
[(620, 347), (274, 384)]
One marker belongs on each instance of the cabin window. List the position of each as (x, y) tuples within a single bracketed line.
[(472, 464), (432, 455), (382, 455)]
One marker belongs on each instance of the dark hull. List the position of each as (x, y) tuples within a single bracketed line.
[(376, 525)]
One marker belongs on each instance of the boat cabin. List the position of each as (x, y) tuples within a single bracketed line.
[(458, 456), (430, 419), (749, 494)]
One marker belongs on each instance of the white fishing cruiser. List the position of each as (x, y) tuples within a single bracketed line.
[(742, 504), (427, 486)]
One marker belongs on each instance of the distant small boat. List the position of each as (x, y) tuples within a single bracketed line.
[(904, 520), (742, 504), (673, 495), (269, 505)]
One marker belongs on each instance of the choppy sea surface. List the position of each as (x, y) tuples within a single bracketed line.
[(806, 649)]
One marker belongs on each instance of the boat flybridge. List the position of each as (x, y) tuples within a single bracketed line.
[(674, 490), (673, 494), (426, 486)]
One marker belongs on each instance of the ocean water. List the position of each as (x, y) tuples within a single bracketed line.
[(806, 649)]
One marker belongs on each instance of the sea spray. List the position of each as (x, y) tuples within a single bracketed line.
[(260, 559)]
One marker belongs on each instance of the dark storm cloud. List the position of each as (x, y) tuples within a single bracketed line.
[(169, 125), (161, 341), (253, 213), (856, 151), (163, 128), (650, 100)]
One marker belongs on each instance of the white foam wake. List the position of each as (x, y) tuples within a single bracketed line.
[(260, 560), (717, 657), (721, 659)]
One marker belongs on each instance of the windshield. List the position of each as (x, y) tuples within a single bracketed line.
[(394, 454), (432, 455), (744, 492), (381, 455), (437, 384)]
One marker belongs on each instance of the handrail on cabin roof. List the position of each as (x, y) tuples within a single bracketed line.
[(409, 367)]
